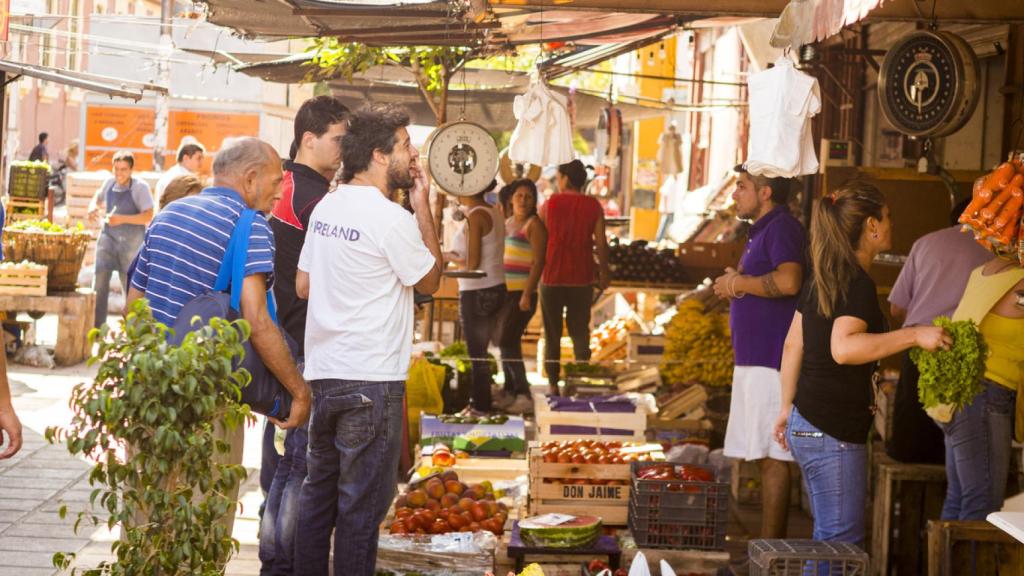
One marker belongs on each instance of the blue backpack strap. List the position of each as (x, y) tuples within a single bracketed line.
[(232, 268)]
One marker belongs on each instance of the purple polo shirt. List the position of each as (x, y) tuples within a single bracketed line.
[(759, 325)]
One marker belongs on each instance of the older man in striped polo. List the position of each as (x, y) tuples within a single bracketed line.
[(185, 245)]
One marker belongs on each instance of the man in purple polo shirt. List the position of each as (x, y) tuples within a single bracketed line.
[(763, 297)]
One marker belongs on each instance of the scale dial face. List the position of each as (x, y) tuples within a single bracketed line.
[(927, 85), (462, 157)]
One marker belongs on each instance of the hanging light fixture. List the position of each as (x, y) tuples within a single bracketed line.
[(650, 58), (661, 51)]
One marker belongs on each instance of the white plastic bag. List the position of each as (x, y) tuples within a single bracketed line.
[(639, 566), (667, 570)]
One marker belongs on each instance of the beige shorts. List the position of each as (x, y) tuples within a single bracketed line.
[(756, 397)]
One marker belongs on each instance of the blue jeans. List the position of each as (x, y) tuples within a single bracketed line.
[(277, 527), (978, 454), (268, 463), (835, 473), (355, 438), (478, 312)]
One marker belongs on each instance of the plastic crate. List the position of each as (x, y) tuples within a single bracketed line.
[(678, 514), (803, 557), (28, 182)]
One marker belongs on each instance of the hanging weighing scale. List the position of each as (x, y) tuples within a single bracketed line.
[(928, 84), (462, 158)]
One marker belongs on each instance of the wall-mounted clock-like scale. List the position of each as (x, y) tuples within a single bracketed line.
[(462, 157), (928, 83)]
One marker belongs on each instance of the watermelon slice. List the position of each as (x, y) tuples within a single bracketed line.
[(579, 532)]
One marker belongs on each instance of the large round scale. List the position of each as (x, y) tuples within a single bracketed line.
[(928, 83), (462, 157)]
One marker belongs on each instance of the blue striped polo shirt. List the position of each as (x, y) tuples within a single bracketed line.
[(185, 245)]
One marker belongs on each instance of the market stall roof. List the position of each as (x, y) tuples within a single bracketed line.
[(93, 82), (489, 108)]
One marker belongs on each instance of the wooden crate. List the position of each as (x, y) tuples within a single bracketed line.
[(972, 547), (476, 470), (635, 422), (610, 502), (19, 209), (21, 281), (709, 259), (677, 431), (645, 348), (907, 497)]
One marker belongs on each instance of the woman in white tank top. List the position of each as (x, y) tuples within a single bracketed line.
[(480, 245)]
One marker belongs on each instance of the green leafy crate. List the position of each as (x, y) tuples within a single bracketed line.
[(952, 377), (28, 180), (475, 437)]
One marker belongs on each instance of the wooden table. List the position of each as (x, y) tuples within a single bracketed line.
[(74, 310)]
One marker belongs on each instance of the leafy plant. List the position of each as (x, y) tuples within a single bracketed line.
[(46, 226), (953, 376), (432, 66), (147, 420)]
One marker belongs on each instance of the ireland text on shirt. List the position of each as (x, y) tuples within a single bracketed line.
[(326, 230)]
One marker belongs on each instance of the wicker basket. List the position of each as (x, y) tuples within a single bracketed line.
[(61, 253)]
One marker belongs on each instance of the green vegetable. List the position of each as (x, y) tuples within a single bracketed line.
[(952, 376), (46, 226), (30, 164)]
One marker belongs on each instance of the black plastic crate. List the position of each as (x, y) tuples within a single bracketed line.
[(801, 557), (678, 513), (30, 182)]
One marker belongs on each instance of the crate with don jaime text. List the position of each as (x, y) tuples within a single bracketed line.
[(596, 483), (587, 421)]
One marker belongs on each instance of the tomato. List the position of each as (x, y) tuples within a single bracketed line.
[(596, 566)]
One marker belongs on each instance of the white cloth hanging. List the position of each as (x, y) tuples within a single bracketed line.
[(543, 134), (670, 152), (782, 102)]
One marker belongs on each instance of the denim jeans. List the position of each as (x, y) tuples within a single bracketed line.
[(575, 303), (835, 473), (978, 454), (355, 439), (269, 459), (478, 312), (277, 527), (113, 255), (512, 324)]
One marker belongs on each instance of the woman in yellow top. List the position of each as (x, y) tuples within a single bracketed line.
[(978, 437)]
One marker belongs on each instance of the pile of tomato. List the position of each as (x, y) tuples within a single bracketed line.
[(593, 452)]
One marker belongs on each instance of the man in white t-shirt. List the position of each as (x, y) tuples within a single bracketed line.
[(363, 257), (190, 159)]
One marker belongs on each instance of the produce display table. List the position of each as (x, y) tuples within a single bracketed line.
[(605, 546), (74, 312)]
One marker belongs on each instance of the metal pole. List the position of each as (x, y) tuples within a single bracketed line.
[(163, 102)]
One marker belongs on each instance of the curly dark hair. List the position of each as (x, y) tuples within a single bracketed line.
[(370, 128)]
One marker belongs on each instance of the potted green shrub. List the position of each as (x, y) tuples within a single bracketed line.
[(147, 421)]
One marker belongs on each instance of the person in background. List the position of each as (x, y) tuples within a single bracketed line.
[(314, 158), (526, 241), (835, 339), (575, 225), (39, 152), (179, 188), (70, 156), (978, 438), (10, 426), (480, 245), (929, 285), (362, 260), (763, 298), (126, 207), (190, 160)]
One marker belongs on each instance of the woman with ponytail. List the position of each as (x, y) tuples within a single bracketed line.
[(837, 335)]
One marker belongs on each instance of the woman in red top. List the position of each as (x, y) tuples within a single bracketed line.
[(575, 224)]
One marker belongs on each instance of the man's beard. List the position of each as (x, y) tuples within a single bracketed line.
[(399, 178)]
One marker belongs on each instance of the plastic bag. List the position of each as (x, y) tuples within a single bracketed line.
[(667, 570), (423, 394), (36, 356), (453, 554), (639, 566)]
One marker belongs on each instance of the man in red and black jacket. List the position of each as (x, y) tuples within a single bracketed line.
[(314, 159)]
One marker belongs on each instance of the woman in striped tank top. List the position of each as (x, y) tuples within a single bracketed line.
[(525, 245)]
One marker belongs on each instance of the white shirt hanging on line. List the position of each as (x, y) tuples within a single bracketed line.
[(782, 102), (543, 135)]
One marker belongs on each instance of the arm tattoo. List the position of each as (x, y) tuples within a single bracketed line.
[(768, 283)]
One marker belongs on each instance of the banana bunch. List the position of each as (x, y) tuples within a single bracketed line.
[(698, 347)]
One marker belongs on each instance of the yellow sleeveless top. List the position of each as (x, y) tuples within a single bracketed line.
[(1002, 335)]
